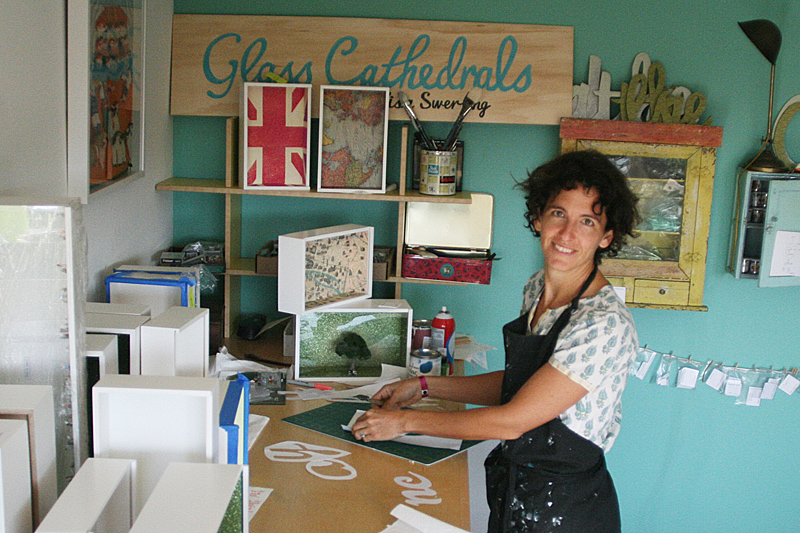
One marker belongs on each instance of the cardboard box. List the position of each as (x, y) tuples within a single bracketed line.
[(383, 262), (267, 259), (449, 242)]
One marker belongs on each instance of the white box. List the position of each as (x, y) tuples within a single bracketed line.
[(127, 328), (175, 343), (194, 498), (99, 499), (34, 405), (101, 359), (158, 287), (324, 267), (384, 326), (155, 420), (104, 349), (117, 309), (15, 477)]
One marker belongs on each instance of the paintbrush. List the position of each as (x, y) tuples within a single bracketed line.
[(426, 141), (470, 99)]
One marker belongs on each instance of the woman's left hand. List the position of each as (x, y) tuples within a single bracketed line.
[(380, 424)]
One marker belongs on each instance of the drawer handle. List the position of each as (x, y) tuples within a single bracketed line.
[(662, 291)]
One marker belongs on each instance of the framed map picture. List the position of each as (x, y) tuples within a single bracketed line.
[(351, 342), (324, 267), (353, 125), (276, 135)]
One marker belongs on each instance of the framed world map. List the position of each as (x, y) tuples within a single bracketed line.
[(352, 139)]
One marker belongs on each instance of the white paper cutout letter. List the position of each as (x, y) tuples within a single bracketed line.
[(420, 492), (315, 457)]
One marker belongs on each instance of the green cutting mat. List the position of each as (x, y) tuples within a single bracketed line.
[(330, 418)]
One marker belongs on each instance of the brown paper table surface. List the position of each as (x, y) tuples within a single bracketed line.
[(361, 485)]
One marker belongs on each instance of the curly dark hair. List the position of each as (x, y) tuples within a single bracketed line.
[(592, 170)]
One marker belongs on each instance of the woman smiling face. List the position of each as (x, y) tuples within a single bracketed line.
[(573, 227)]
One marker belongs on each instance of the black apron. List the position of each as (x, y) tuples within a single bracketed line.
[(550, 478)]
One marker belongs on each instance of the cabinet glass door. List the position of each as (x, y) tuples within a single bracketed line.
[(780, 256), (666, 183)]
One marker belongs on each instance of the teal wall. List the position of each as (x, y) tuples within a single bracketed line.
[(686, 460)]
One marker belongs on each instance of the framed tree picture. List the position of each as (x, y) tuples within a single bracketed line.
[(353, 125), (276, 135), (352, 341), (116, 82)]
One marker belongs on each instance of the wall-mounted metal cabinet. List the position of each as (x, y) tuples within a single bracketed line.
[(765, 234), (671, 168)]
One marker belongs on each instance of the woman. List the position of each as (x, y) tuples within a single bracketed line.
[(556, 406)]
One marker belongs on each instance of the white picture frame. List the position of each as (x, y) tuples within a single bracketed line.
[(383, 325), (358, 139), (324, 267), (275, 133)]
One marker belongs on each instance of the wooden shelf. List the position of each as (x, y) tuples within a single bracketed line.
[(240, 267), (218, 186)]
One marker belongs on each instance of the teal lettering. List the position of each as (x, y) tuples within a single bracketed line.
[(247, 67), (445, 78), (353, 42), (502, 69), (210, 76), (304, 76)]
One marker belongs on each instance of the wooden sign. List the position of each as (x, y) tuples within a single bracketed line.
[(524, 71)]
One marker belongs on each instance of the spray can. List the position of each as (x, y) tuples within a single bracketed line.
[(443, 337)]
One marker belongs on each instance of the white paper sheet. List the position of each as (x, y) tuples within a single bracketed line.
[(412, 521), (416, 440), (786, 254)]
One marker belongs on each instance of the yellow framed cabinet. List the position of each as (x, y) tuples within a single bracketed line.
[(671, 168)]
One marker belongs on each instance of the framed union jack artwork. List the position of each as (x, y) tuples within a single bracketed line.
[(276, 135), (353, 125)]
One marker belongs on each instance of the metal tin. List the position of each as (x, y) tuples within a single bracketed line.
[(437, 172), (420, 334), (425, 362)]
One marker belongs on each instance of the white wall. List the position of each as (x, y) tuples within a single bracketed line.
[(32, 98), (130, 222)]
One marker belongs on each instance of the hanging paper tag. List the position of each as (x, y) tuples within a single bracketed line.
[(716, 379), (789, 384), (753, 396), (733, 387), (687, 377), (770, 387), (644, 366)]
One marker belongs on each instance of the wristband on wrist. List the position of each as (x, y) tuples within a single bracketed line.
[(423, 385)]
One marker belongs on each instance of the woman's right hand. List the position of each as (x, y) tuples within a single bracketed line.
[(399, 394)]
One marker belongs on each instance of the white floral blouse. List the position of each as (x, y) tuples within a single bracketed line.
[(594, 350)]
